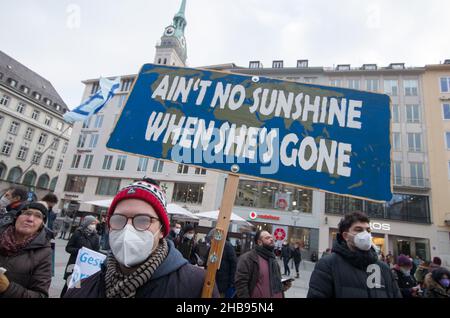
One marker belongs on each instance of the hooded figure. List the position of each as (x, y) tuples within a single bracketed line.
[(142, 262)]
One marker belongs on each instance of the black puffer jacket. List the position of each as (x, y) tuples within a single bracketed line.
[(347, 274), (404, 282), (174, 278), (29, 271), (80, 238), (225, 274)]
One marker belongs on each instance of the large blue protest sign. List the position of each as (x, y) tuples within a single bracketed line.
[(327, 138)]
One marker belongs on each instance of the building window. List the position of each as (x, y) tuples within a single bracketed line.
[(59, 126), (93, 141), (107, 161), (81, 140), (398, 173), (20, 108), (268, 195), (64, 150), (446, 111), (122, 99), (55, 144), (158, 166), (12, 82), (336, 204), (36, 157), (372, 85), (25, 89), (87, 122), (302, 63), (29, 133), (337, 83), (447, 139), (445, 84), (14, 128), (95, 87), (309, 80), (416, 170), (277, 64), (35, 115), (75, 183), (6, 149), (165, 61), (5, 100), (184, 169), (59, 166), (107, 186), (42, 139), (49, 162), (412, 114), (75, 161), (415, 142), (391, 87), (254, 64), (395, 113), (188, 193), (397, 143), (120, 164), (142, 164), (22, 155), (410, 87), (88, 161), (126, 84), (98, 121), (353, 84), (37, 96), (200, 171)]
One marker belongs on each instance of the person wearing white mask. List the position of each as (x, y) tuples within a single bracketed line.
[(142, 262), (10, 203), (84, 236), (174, 234), (187, 245), (353, 269)]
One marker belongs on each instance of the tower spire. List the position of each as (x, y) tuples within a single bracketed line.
[(182, 10)]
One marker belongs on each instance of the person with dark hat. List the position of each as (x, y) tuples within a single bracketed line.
[(436, 263), (438, 283), (84, 236), (187, 245), (405, 281), (353, 269), (142, 262), (26, 254)]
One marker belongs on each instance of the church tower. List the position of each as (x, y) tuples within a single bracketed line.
[(172, 50)]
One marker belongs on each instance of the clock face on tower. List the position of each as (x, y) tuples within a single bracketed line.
[(183, 41), (169, 31)]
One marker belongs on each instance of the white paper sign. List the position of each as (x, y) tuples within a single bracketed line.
[(88, 262)]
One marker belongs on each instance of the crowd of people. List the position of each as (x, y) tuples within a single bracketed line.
[(147, 257)]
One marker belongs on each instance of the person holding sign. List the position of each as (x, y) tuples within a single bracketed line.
[(353, 269), (25, 254), (142, 262)]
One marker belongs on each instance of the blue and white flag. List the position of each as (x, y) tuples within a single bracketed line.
[(94, 103)]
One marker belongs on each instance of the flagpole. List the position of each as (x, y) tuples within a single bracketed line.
[(45, 150)]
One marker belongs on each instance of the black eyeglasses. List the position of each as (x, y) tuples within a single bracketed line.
[(141, 222)]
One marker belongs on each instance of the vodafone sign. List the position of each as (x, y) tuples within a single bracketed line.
[(253, 215)]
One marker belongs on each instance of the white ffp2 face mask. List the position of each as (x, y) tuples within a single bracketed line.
[(130, 246), (4, 202), (363, 240)]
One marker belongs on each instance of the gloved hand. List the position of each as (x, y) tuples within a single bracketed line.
[(4, 283)]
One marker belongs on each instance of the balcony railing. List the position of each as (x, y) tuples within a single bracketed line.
[(412, 182)]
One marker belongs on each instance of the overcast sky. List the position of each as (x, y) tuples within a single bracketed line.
[(69, 41)]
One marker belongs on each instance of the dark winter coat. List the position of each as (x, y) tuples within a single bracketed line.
[(345, 274), (405, 283), (297, 255), (227, 270), (79, 239), (11, 211), (434, 289), (247, 274), (30, 271), (286, 252), (188, 249), (174, 278)]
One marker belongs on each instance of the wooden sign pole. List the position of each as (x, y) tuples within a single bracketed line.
[(220, 234)]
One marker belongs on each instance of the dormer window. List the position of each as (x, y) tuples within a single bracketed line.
[(48, 101), (369, 67), (255, 64), (302, 63), (397, 66), (343, 67), (277, 64), (57, 107), (25, 89), (12, 82), (36, 95)]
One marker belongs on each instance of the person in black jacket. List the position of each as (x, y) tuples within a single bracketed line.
[(227, 270), (84, 236), (297, 256), (10, 202), (353, 269), (286, 255), (405, 281), (142, 262), (187, 245)]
